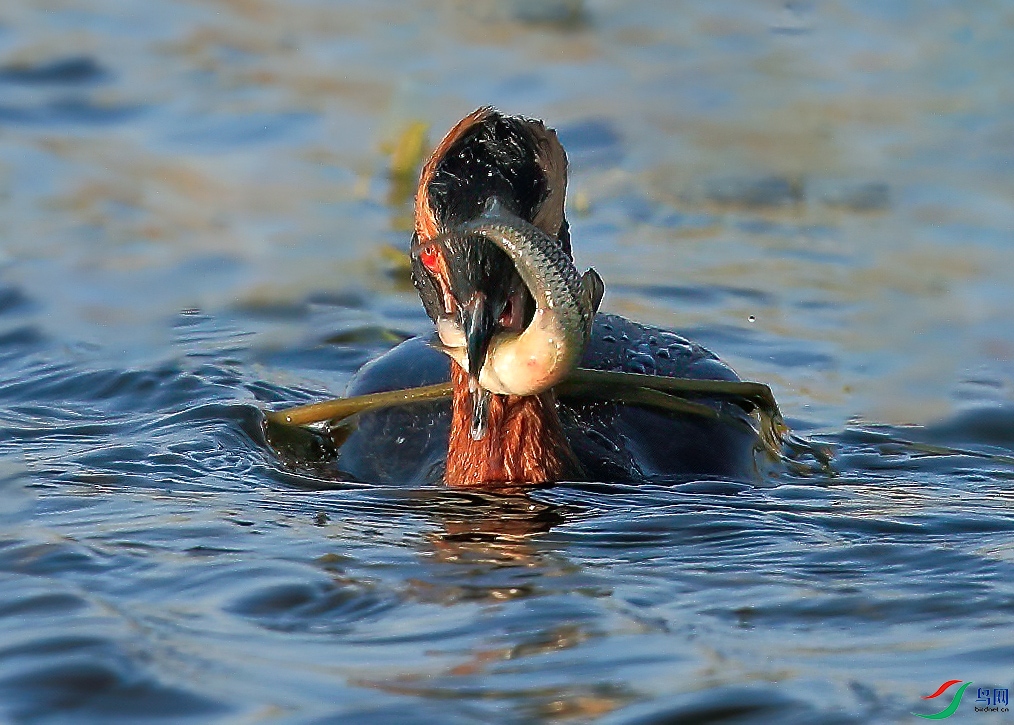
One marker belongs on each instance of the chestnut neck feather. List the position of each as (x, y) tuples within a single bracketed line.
[(524, 444)]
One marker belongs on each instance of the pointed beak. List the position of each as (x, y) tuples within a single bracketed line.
[(478, 324)]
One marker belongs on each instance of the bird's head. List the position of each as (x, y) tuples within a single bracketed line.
[(469, 286)]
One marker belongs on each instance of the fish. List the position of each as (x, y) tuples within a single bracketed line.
[(541, 355)]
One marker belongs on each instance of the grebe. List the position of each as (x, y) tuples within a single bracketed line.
[(511, 321)]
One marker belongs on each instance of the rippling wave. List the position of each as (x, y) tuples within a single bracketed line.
[(198, 219)]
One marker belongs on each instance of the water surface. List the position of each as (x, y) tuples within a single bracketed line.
[(194, 212)]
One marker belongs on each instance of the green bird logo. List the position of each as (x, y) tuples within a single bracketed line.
[(952, 707)]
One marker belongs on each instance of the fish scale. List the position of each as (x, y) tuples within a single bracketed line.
[(544, 267)]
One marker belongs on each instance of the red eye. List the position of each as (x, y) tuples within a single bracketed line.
[(430, 258)]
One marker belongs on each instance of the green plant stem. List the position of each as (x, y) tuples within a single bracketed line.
[(647, 390)]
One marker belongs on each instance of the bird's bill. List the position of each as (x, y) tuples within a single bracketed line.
[(478, 322)]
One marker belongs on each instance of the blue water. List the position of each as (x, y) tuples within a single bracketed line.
[(194, 208)]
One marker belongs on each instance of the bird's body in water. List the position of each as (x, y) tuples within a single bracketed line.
[(492, 262)]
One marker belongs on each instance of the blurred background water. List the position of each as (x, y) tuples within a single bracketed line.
[(196, 221)]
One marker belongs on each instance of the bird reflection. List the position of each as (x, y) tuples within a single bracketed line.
[(497, 530)]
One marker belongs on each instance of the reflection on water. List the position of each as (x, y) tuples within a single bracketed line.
[(198, 207)]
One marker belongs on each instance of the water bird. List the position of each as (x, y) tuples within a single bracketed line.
[(514, 325)]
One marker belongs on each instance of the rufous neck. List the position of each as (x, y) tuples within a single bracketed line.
[(524, 443)]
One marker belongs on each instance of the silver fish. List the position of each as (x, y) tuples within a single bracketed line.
[(550, 347)]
